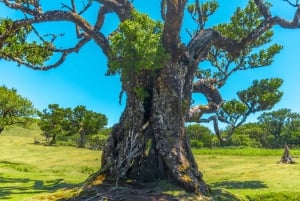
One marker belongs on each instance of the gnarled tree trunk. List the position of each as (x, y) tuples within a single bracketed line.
[(149, 143)]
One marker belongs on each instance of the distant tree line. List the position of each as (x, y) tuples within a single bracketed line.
[(272, 130), (72, 126), (86, 128), (56, 121)]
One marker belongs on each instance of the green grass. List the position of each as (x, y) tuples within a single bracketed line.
[(30, 171), (27, 169), (251, 177), (244, 151)]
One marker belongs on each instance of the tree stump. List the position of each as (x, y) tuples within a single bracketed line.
[(286, 157)]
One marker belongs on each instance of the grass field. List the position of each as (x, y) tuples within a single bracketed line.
[(251, 176), (28, 170)]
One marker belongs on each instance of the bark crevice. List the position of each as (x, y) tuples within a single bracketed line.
[(160, 145)]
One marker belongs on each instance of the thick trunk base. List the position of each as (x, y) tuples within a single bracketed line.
[(149, 144)]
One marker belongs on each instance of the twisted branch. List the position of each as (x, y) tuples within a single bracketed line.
[(84, 30)]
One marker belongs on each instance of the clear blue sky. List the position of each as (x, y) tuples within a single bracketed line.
[(81, 80)]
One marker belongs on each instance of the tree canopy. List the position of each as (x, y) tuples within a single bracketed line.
[(14, 109), (86, 122), (56, 120), (282, 125)]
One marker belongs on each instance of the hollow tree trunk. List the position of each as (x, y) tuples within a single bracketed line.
[(169, 109), (149, 143)]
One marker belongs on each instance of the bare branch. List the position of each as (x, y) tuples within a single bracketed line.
[(200, 15), (64, 54), (292, 4), (163, 9), (214, 119), (213, 96), (121, 7), (209, 37), (101, 17), (99, 38), (86, 7), (278, 20), (26, 10)]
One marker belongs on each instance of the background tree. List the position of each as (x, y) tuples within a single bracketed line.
[(54, 121), (14, 109), (248, 134), (99, 140), (150, 141), (86, 122), (291, 133), (200, 136), (261, 96), (279, 124)]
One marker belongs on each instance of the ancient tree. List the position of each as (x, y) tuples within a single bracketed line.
[(150, 142)]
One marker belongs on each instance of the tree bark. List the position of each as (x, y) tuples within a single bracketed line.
[(149, 143), (81, 139), (53, 140)]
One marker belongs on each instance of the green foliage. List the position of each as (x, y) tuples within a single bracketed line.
[(243, 22), (248, 135), (253, 55), (234, 107), (86, 122), (282, 126), (206, 9), (14, 46), (136, 47), (262, 95), (98, 141), (54, 121), (57, 121), (273, 130), (200, 136), (14, 109)]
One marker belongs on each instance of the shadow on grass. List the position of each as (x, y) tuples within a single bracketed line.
[(240, 184), (104, 189), (26, 186)]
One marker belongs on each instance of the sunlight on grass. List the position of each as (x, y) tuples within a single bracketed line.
[(249, 176), (37, 172), (27, 169)]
